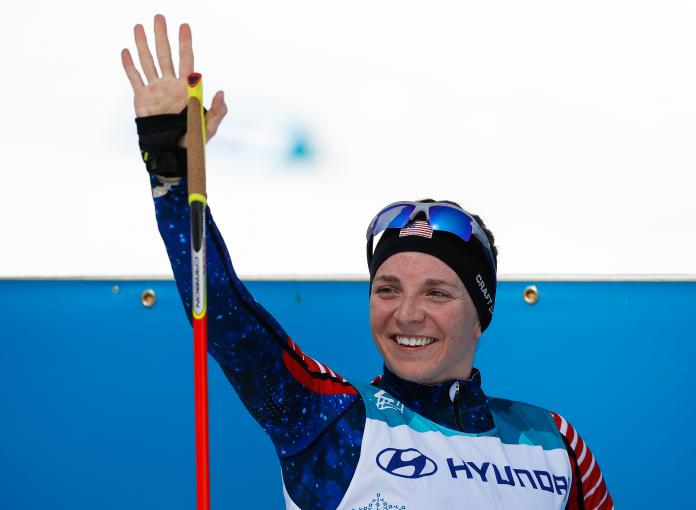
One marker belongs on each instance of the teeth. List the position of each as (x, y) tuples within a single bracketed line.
[(413, 341)]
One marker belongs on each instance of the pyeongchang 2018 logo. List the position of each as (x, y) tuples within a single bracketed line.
[(409, 463)]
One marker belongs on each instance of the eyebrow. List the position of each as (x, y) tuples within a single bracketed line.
[(430, 281), (388, 278)]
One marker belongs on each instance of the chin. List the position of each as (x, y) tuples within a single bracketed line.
[(413, 374)]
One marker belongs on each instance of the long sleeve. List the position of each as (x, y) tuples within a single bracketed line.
[(293, 397), (588, 491)]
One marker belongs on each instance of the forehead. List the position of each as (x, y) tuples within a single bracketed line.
[(416, 268)]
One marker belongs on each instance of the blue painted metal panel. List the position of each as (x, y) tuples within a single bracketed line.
[(97, 398)]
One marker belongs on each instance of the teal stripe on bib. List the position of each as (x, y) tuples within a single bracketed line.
[(516, 422), (520, 423)]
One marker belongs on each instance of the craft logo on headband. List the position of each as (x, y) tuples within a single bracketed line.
[(484, 290)]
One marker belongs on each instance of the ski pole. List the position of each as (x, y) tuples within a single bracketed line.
[(195, 148)]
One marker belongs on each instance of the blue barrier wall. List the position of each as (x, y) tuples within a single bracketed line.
[(97, 395)]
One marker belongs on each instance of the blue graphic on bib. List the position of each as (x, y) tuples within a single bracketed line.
[(379, 503), (408, 463)]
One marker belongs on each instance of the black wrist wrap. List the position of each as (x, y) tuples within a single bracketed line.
[(158, 136)]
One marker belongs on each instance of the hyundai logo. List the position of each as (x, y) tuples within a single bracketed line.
[(408, 463)]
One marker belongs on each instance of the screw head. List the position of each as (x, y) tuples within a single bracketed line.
[(531, 295), (148, 298)]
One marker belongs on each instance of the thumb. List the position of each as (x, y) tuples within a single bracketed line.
[(217, 112)]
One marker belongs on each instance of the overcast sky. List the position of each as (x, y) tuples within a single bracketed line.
[(569, 126)]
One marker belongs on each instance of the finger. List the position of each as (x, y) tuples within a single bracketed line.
[(217, 112), (146, 61), (185, 51), (164, 52), (132, 73)]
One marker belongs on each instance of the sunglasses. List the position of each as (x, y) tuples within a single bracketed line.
[(440, 216)]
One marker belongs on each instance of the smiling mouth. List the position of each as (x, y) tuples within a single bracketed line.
[(413, 341)]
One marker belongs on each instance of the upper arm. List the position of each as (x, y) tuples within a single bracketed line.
[(588, 490)]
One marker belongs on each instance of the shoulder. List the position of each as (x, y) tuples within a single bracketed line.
[(523, 414), (507, 405), (523, 423), (531, 424), (589, 488), (575, 444)]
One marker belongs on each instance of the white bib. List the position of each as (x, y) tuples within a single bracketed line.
[(408, 462)]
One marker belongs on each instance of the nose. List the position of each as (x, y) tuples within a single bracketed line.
[(409, 311)]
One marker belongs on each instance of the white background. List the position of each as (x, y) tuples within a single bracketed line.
[(569, 126)]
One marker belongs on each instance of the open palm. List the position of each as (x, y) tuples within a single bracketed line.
[(165, 92)]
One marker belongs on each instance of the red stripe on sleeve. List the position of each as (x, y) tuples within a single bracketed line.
[(314, 376), (593, 490)]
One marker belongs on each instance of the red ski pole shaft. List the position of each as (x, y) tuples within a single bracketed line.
[(195, 147)]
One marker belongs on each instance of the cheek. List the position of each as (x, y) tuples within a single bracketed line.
[(379, 314), (376, 312), (373, 312), (460, 323)]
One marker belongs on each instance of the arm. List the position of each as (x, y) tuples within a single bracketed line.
[(274, 379), (293, 397), (588, 491)]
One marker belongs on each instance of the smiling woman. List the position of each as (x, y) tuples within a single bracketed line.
[(421, 436), (422, 319)]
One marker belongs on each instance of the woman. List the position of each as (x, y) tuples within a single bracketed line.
[(421, 436)]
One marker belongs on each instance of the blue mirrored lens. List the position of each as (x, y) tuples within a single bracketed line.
[(450, 220), (393, 217)]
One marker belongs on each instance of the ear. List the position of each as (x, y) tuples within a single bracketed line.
[(477, 330)]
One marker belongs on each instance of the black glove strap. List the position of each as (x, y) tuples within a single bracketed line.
[(158, 136)]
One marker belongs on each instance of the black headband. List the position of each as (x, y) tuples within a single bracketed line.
[(467, 259)]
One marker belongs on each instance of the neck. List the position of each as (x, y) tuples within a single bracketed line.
[(433, 401)]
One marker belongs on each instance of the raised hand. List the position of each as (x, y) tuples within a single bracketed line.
[(164, 91)]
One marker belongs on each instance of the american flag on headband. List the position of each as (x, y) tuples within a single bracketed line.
[(417, 228)]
